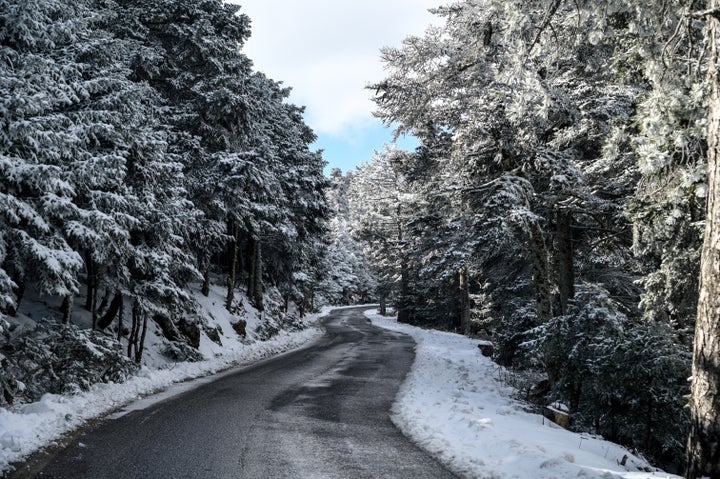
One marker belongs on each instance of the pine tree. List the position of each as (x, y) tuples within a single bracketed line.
[(382, 202)]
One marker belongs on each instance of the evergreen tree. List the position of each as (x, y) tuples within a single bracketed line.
[(348, 278), (381, 209), (538, 124)]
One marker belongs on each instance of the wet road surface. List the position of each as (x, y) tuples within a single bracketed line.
[(320, 412)]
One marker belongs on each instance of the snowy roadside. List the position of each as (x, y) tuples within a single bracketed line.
[(42, 423), (454, 405)]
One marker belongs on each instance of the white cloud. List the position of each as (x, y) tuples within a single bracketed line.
[(328, 51)]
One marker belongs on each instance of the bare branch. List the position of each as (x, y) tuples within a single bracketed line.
[(712, 12), (546, 21)]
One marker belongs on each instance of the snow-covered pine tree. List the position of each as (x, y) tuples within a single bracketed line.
[(304, 185), (190, 54), (535, 104), (381, 208), (245, 152), (36, 145), (348, 279), (536, 127)]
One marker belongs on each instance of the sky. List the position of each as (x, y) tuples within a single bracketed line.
[(328, 51)]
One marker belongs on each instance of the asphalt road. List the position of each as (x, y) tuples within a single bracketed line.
[(321, 412)]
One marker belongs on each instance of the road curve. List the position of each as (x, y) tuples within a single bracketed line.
[(321, 412)]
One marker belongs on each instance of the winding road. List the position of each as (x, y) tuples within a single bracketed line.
[(319, 412)]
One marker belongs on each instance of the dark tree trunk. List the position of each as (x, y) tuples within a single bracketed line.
[(104, 301), (576, 396), (703, 453), (564, 258), (232, 268), (541, 275), (141, 344), (402, 304), (257, 296), (404, 299), (93, 308), (251, 269), (205, 290), (383, 305), (91, 295), (121, 318), (134, 330), (255, 287), (107, 318), (66, 308), (91, 282), (464, 302)]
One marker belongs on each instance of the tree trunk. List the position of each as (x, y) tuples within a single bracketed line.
[(205, 290), (257, 296), (93, 307), (139, 347), (232, 276), (255, 287), (91, 282), (66, 308), (107, 318), (541, 275), (132, 339), (251, 269), (464, 302), (403, 301), (121, 317), (703, 453), (383, 304), (564, 258), (91, 294)]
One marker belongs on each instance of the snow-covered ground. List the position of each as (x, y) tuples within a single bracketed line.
[(455, 404), (31, 427)]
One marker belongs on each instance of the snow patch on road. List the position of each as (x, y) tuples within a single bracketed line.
[(455, 405)]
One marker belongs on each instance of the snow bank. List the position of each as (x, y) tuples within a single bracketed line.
[(40, 424), (454, 405)]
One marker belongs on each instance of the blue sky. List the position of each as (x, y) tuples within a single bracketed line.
[(328, 51), (347, 152)]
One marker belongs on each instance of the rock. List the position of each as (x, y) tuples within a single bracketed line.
[(213, 334), (191, 331), (486, 348), (558, 413), (239, 327)]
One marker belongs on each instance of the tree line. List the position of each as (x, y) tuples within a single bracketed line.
[(139, 149), (557, 204)]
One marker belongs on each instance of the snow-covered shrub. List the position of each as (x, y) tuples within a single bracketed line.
[(622, 378), (61, 358), (275, 318), (180, 351), (638, 391)]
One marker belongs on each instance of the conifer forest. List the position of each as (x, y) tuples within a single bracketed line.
[(562, 203)]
